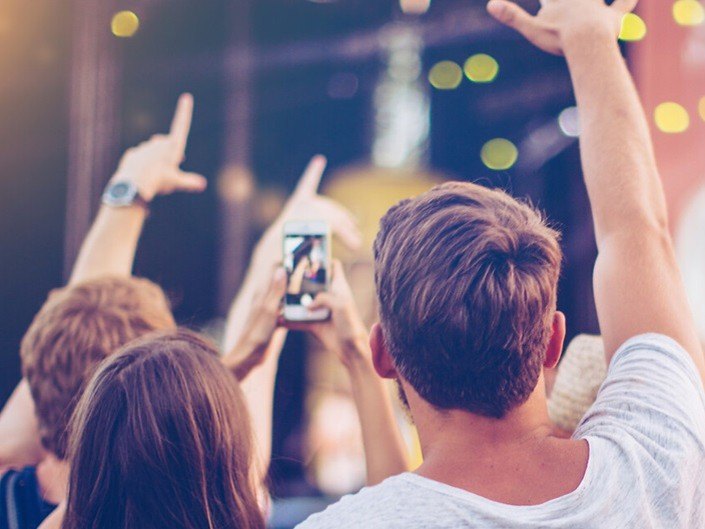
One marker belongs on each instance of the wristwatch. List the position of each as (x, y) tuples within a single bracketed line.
[(121, 194)]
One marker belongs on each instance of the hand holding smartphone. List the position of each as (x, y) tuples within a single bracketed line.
[(307, 260)]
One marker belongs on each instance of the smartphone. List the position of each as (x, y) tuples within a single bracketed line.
[(307, 260)]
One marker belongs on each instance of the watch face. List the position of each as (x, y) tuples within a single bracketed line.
[(120, 194)]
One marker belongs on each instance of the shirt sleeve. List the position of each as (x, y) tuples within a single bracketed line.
[(653, 394)]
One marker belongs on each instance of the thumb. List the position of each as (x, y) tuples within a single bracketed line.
[(311, 179), (189, 182), (324, 300)]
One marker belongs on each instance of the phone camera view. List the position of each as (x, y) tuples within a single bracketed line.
[(305, 263)]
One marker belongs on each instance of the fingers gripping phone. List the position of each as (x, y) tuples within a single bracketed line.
[(307, 259)]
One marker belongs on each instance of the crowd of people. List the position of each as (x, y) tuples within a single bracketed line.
[(124, 420)]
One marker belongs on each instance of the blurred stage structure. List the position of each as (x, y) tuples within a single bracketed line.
[(401, 100)]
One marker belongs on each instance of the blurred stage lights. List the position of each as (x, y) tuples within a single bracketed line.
[(445, 75), (701, 108), (481, 68), (688, 12), (671, 118), (125, 24), (499, 154), (569, 122), (633, 28), (414, 7)]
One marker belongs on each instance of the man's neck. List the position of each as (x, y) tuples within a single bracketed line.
[(53, 479), (515, 460)]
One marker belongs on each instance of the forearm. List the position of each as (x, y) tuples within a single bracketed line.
[(19, 434), (385, 452), (110, 246), (258, 385), (265, 256), (258, 389), (616, 149)]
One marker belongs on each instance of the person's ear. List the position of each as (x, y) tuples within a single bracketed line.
[(555, 344), (380, 356)]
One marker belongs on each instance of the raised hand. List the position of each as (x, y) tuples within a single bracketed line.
[(307, 204), (260, 325), (547, 29), (345, 333), (154, 165)]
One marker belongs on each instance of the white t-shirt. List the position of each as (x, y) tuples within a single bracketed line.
[(646, 469)]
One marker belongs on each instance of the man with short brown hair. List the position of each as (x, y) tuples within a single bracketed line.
[(466, 269), (75, 330), (466, 280)]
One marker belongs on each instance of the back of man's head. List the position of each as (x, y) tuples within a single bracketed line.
[(74, 331), (466, 280)]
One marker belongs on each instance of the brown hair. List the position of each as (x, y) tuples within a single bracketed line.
[(466, 280), (75, 329), (161, 438)]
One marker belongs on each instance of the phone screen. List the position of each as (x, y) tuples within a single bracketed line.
[(305, 260)]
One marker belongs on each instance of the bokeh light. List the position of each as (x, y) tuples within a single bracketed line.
[(499, 154), (633, 28), (125, 24), (701, 108), (688, 12), (445, 75), (481, 68), (671, 118), (569, 122), (414, 7)]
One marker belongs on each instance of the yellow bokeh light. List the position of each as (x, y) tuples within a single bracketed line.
[(688, 12), (671, 118), (125, 24), (701, 108), (633, 28), (481, 68), (499, 154), (446, 75)]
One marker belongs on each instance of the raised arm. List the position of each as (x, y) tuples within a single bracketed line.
[(153, 169), (109, 249), (638, 288), (346, 336), (258, 386)]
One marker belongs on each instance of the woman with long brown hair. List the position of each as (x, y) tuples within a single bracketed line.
[(161, 438)]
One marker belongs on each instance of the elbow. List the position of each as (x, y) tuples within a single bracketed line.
[(652, 224)]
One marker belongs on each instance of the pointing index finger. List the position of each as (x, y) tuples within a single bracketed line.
[(181, 125), (311, 179)]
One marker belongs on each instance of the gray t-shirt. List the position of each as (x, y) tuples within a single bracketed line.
[(646, 469)]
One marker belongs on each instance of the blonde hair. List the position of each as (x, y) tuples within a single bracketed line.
[(74, 331)]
